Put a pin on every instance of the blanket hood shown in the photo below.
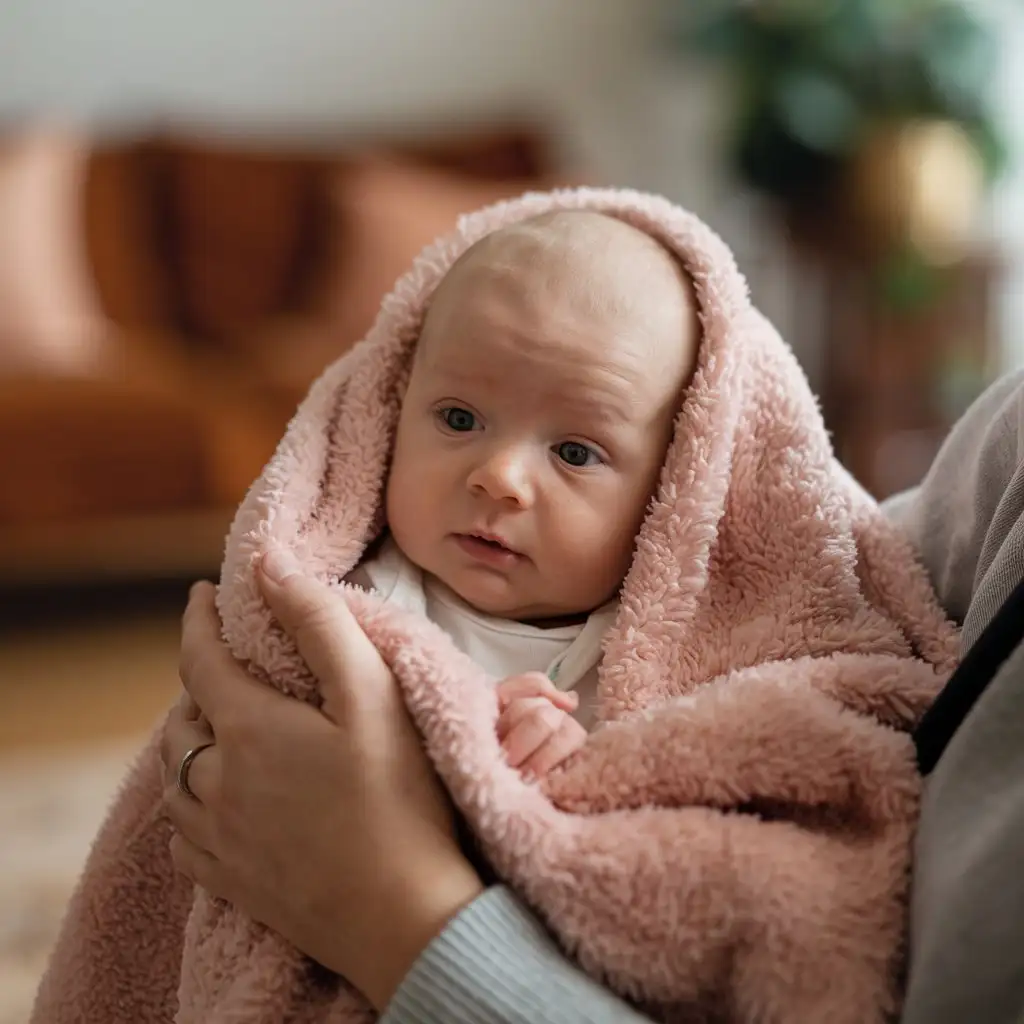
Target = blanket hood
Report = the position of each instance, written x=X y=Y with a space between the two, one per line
x=745 y=519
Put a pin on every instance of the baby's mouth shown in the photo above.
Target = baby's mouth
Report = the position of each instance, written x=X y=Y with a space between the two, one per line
x=486 y=542
x=490 y=541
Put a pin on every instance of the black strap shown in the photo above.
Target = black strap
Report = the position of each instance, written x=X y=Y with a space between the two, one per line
x=979 y=667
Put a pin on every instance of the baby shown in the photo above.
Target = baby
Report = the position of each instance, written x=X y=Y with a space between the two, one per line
x=540 y=406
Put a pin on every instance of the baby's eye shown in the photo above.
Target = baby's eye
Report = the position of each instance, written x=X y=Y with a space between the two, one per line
x=575 y=454
x=458 y=419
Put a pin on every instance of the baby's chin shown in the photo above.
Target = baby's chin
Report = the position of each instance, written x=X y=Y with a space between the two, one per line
x=501 y=602
x=490 y=598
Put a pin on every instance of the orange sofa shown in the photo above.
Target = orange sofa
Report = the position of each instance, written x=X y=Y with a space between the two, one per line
x=191 y=291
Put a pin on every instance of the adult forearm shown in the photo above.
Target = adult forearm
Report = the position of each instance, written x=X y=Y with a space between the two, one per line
x=495 y=964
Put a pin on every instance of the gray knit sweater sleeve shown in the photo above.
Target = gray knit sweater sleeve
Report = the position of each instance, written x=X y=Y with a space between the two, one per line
x=494 y=964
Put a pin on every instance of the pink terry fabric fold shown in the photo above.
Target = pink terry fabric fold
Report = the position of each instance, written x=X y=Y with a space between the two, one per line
x=732 y=844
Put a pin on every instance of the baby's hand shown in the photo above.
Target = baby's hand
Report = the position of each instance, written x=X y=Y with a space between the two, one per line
x=535 y=723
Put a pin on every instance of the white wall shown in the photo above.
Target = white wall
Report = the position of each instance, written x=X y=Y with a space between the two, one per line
x=316 y=68
x=1006 y=224
x=311 y=64
x=320 y=67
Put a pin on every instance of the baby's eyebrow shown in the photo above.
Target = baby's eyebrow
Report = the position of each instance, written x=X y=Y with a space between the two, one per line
x=455 y=373
x=586 y=401
x=601 y=405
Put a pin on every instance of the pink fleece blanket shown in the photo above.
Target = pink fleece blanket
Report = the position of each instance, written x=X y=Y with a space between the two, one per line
x=732 y=844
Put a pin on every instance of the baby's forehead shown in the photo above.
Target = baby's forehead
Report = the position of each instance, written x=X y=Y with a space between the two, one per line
x=584 y=236
x=594 y=257
x=570 y=286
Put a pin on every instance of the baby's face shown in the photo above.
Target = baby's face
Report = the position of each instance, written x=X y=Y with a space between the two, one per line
x=538 y=414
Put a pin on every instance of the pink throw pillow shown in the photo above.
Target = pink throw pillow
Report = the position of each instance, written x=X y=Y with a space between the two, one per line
x=51 y=320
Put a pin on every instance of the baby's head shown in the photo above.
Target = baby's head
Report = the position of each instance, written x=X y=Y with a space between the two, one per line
x=541 y=403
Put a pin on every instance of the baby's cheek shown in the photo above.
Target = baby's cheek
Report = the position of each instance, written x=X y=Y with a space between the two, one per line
x=410 y=510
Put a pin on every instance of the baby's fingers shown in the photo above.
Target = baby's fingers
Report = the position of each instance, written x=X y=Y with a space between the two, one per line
x=519 y=710
x=527 y=725
x=534 y=684
x=555 y=749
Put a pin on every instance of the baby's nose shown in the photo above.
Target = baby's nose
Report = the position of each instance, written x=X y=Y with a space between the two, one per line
x=504 y=476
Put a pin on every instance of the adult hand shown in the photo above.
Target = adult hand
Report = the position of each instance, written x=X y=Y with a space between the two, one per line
x=328 y=826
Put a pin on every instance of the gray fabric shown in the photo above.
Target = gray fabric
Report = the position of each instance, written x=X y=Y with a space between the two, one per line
x=965 y=518
x=495 y=965
x=967 y=914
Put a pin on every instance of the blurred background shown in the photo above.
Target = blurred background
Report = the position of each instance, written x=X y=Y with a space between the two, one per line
x=202 y=204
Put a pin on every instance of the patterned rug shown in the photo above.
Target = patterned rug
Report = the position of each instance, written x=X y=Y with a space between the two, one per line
x=50 y=808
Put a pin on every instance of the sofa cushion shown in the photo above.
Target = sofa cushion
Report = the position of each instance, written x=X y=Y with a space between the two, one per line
x=126 y=237
x=73 y=448
x=244 y=232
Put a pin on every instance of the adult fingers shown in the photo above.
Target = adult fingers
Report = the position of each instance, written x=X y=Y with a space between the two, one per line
x=330 y=640
x=190 y=817
x=214 y=681
x=195 y=863
x=203 y=772
x=170 y=737
x=180 y=733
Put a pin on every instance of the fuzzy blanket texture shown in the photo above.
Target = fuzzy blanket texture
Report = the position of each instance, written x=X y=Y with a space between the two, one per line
x=733 y=842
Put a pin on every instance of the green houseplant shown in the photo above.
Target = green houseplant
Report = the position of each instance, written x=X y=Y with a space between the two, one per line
x=846 y=112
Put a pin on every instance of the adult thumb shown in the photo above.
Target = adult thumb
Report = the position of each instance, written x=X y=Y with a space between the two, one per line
x=327 y=635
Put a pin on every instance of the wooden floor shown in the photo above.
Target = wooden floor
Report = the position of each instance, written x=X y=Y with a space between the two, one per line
x=85 y=674
x=86 y=664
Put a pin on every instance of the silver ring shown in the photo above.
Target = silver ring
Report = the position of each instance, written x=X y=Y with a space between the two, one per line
x=186 y=763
